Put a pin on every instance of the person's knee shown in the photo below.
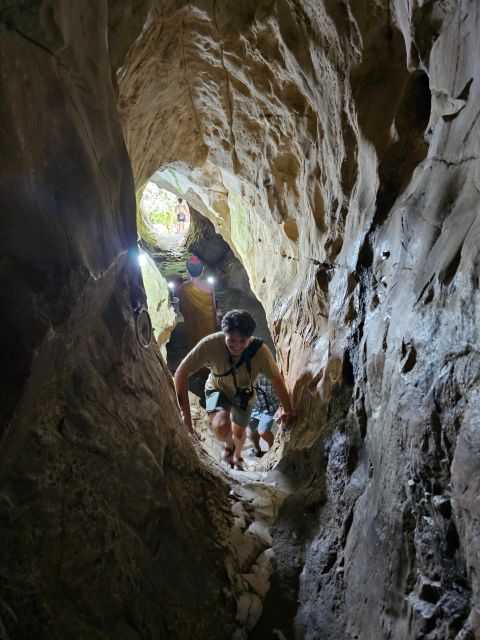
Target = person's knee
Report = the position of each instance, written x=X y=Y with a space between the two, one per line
x=222 y=431
x=267 y=436
x=239 y=431
x=221 y=424
x=218 y=418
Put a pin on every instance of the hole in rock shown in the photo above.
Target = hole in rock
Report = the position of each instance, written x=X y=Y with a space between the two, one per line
x=409 y=354
x=162 y=215
x=429 y=296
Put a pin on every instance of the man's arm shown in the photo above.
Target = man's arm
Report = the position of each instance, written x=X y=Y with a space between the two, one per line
x=193 y=361
x=280 y=389
x=180 y=380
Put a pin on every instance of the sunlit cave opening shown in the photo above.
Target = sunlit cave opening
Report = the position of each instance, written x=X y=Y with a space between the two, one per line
x=164 y=257
x=168 y=214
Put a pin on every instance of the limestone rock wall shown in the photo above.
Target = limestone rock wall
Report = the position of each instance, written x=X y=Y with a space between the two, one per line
x=336 y=148
x=100 y=532
x=162 y=314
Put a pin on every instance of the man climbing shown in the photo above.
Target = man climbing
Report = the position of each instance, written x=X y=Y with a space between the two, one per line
x=263 y=416
x=235 y=359
x=197 y=304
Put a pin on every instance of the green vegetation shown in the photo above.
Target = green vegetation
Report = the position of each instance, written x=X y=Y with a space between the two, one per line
x=159 y=207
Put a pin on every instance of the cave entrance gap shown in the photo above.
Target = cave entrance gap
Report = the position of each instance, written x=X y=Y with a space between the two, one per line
x=217 y=211
x=167 y=252
x=163 y=217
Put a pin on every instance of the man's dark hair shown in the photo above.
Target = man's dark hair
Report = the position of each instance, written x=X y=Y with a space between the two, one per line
x=239 y=320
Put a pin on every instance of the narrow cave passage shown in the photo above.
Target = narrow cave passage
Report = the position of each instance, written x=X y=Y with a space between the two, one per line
x=258 y=491
x=230 y=290
x=334 y=146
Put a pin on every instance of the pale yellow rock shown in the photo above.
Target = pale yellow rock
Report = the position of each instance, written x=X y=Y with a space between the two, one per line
x=158 y=300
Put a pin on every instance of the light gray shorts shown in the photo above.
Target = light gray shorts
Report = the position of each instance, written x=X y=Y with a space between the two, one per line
x=262 y=421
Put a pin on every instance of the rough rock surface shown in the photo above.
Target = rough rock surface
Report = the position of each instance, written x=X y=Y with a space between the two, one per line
x=335 y=147
x=257 y=499
x=161 y=312
x=101 y=536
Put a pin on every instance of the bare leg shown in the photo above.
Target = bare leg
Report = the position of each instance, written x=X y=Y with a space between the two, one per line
x=268 y=437
x=222 y=427
x=255 y=438
x=239 y=436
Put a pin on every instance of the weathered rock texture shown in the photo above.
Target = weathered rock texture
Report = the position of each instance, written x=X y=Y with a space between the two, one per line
x=101 y=536
x=335 y=147
x=161 y=312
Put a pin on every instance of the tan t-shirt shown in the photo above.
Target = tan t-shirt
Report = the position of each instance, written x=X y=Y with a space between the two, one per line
x=212 y=352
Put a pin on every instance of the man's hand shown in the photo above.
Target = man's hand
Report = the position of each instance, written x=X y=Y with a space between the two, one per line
x=285 y=419
x=180 y=380
x=189 y=425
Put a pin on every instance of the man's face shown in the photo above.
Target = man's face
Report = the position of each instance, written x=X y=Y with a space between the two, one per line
x=236 y=343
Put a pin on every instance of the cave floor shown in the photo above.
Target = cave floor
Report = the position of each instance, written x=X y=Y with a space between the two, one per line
x=256 y=499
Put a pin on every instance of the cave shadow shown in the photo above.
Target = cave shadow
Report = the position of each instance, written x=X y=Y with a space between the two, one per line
x=300 y=515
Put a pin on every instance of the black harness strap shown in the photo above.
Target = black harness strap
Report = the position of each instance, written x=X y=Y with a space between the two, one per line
x=245 y=358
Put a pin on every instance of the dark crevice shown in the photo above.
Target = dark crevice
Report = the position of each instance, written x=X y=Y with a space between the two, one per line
x=447 y=274
x=410 y=357
x=463 y=95
x=452 y=540
x=347 y=370
x=399 y=161
x=424 y=289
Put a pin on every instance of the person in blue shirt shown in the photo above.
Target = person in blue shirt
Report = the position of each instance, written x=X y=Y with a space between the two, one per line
x=263 y=416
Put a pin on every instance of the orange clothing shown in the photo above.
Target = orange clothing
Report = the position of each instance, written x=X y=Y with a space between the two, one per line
x=199 y=313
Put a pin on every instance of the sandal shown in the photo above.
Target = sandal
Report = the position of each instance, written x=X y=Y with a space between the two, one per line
x=238 y=464
x=227 y=457
x=256 y=454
